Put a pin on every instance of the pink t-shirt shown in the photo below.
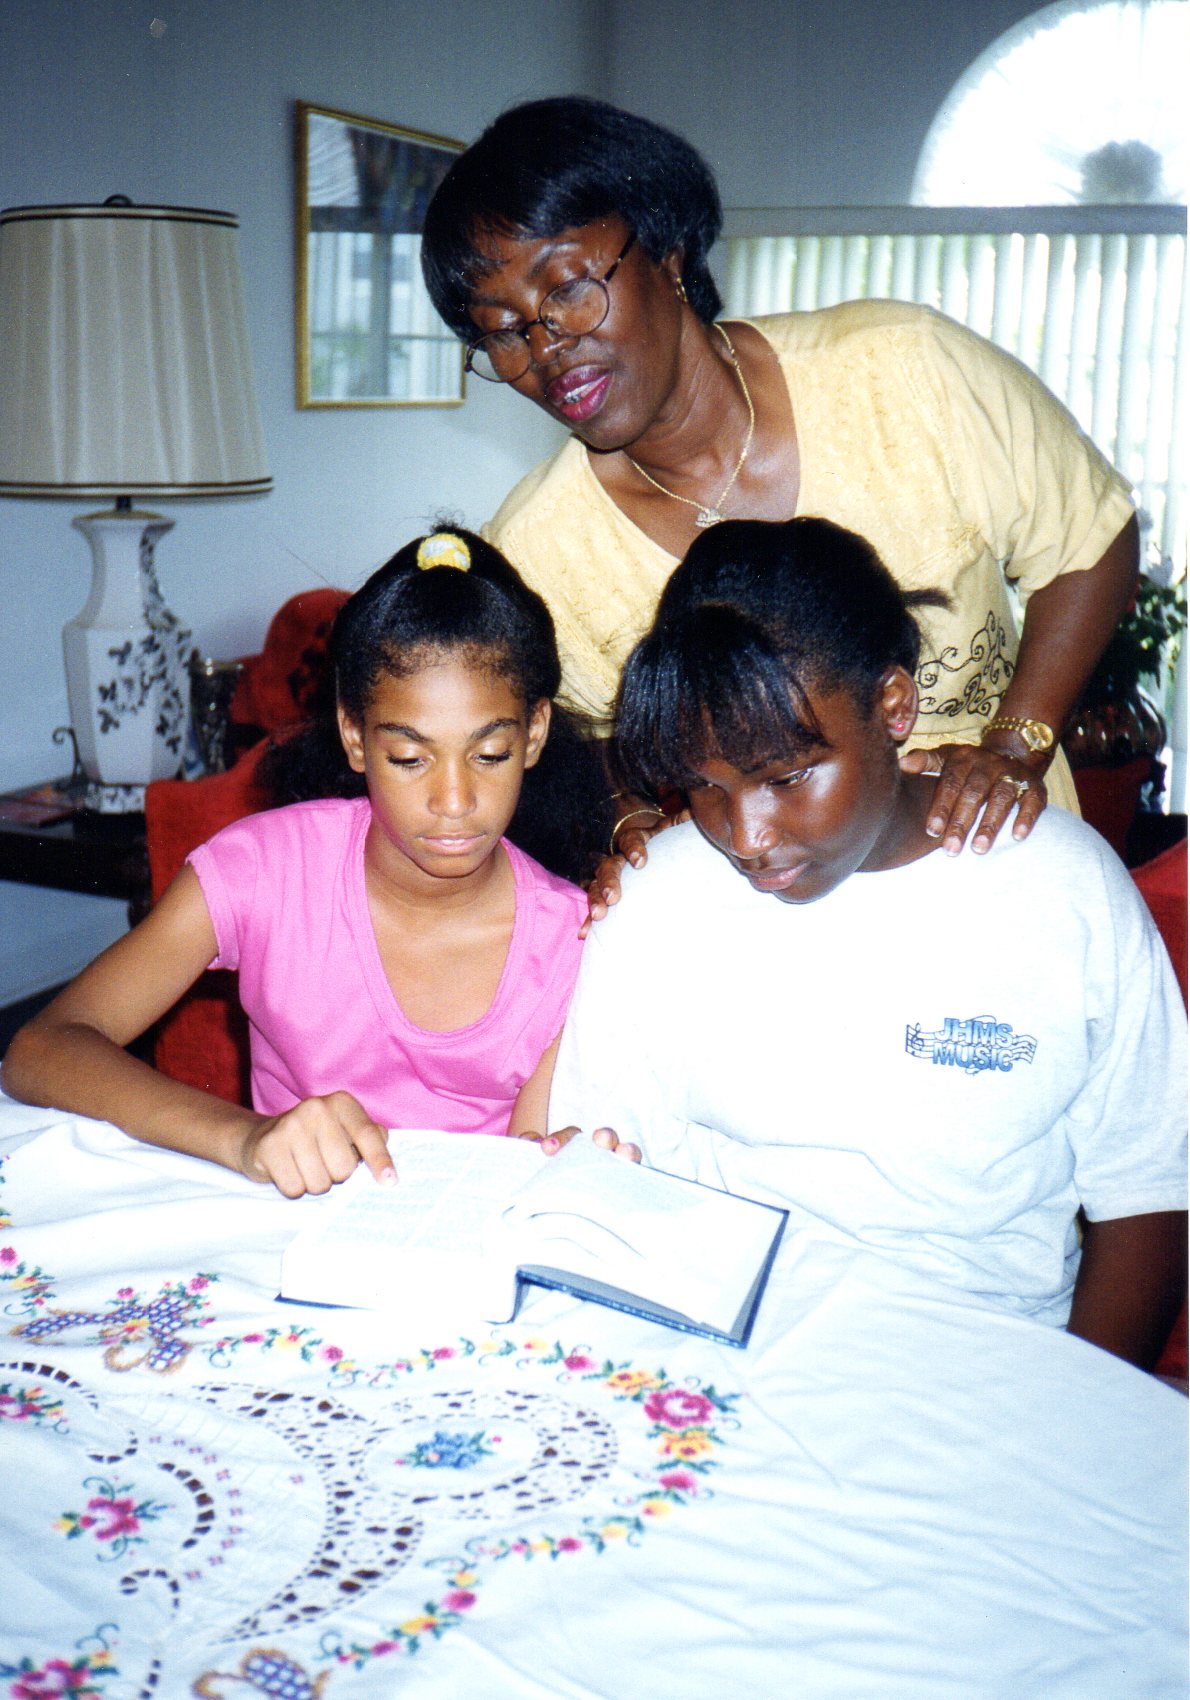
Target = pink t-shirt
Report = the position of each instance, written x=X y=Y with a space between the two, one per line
x=286 y=894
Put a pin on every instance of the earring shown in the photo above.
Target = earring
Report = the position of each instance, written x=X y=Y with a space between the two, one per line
x=680 y=291
x=900 y=726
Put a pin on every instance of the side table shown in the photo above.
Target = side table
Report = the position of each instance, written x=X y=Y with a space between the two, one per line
x=100 y=855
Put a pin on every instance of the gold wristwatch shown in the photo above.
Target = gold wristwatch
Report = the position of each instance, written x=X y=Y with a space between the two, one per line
x=1035 y=733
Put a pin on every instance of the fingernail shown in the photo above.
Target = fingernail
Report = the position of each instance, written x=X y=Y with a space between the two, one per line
x=636 y=859
x=549 y=1143
x=934 y=827
x=979 y=845
x=388 y=1177
x=953 y=846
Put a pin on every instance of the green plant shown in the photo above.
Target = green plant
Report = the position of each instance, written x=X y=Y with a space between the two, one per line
x=1147 y=637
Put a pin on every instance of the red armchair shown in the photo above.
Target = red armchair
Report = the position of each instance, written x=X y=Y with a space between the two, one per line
x=1162 y=884
x=204 y=1040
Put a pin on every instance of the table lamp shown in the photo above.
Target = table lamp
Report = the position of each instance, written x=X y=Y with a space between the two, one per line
x=127 y=374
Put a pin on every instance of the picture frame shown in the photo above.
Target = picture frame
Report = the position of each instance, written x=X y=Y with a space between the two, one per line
x=367 y=334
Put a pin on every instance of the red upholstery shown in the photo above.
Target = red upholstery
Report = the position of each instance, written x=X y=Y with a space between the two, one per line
x=204 y=1039
x=279 y=685
x=1162 y=884
x=1108 y=798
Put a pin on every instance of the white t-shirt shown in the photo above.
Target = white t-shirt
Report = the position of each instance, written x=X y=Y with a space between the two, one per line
x=940 y=1063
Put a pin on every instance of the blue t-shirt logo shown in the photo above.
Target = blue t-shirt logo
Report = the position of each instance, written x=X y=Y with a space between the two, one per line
x=974 y=1043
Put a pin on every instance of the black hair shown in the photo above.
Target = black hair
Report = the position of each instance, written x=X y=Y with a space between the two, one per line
x=550 y=165
x=758 y=614
x=409 y=613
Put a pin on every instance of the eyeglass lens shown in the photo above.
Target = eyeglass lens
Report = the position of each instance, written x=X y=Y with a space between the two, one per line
x=571 y=310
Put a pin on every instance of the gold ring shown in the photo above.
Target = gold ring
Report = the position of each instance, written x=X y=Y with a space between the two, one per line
x=1020 y=786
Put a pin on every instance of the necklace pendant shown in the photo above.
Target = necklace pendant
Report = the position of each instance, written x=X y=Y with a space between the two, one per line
x=707 y=516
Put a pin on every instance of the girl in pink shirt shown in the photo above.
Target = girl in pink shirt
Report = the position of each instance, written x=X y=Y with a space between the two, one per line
x=401 y=963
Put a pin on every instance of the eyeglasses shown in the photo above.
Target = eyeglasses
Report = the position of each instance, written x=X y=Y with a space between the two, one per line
x=569 y=311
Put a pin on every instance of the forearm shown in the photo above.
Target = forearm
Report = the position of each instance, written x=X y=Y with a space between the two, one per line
x=71 y=1066
x=1131 y=1282
x=1066 y=629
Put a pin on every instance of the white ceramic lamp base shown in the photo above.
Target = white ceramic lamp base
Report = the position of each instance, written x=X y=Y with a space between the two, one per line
x=126 y=656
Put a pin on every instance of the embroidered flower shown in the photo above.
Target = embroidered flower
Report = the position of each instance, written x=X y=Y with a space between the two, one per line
x=632 y=1380
x=26 y=1404
x=677 y=1408
x=57 y=1679
x=7 y=1254
x=577 y=1361
x=692 y=1443
x=459 y=1600
x=111 y=1515
x=678 y=1481
x=419 y=1625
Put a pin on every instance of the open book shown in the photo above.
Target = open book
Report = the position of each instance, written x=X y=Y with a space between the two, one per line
x=472 y=1217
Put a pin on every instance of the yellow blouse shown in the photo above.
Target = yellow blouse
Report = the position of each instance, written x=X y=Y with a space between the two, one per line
x=955 y=462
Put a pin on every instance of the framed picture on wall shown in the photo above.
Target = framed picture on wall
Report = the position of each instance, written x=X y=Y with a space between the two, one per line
x=367 y=335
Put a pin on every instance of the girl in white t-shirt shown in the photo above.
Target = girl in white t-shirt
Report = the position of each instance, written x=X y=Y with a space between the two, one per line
x=400 y=962
x=937 y=1062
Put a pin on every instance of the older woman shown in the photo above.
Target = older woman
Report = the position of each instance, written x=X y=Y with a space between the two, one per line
x=568 y=248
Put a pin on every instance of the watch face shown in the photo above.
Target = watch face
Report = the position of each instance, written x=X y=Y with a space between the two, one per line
x=1037 y=734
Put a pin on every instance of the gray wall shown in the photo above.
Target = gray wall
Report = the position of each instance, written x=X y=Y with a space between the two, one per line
x=801 y=102
x=811 y=101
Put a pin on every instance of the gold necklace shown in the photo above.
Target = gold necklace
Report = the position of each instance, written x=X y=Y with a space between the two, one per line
x=711 y=515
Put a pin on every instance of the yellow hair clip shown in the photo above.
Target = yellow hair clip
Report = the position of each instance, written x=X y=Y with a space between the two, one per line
x=443 y=549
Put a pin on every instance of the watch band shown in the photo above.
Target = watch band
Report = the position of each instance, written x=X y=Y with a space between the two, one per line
x=1035 y=733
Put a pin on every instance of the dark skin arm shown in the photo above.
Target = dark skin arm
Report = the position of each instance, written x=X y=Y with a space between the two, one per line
x=1066 y=629
x=1131 y=1282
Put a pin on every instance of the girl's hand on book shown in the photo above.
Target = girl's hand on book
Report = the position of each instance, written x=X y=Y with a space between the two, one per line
x=605 y=1137
x=315 y=1145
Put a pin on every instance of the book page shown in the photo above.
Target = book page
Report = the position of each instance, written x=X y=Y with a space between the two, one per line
x=685 y=1246
x=429 y=1235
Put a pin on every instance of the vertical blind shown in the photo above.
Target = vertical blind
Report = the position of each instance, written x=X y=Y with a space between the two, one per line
x=1093 y=299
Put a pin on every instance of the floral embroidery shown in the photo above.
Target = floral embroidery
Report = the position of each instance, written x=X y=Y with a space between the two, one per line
x=686 y=1424
x=311 y=1348
x=30 y=1285
x=112 y=1516
x=59 y=1679
x=131 y=1321
x=29 y=1404
x=683 y=1429
x=446 y=1451
x=406 y=1637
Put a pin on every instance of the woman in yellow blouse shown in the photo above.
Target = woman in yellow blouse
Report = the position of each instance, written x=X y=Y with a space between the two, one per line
x=568 y=248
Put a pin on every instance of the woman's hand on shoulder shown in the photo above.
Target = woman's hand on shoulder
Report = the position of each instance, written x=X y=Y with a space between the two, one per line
x=316 y=1145
x=605 y=1137
x=630 y=838
x=971 y=777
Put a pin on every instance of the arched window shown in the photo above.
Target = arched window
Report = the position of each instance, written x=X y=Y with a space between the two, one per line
x=1084 y=102
x=1043 y=221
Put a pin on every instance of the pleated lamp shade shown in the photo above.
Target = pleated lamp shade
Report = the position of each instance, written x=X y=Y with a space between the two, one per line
x=127 y=370
x=127 y=374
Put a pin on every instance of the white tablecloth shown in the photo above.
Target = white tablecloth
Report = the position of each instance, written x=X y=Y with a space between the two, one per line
x=893 y=1492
